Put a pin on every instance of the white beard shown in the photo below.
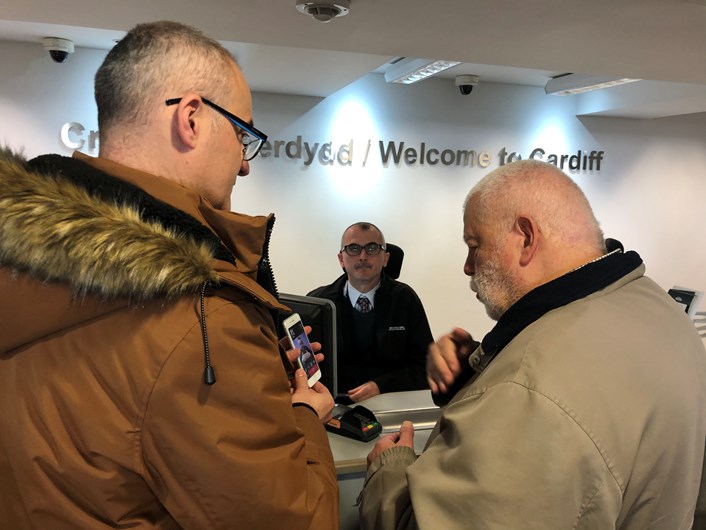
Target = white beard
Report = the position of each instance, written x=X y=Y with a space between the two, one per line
x=496 y=290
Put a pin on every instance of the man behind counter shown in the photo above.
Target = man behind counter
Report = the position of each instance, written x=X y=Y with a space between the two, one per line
x=382 y=329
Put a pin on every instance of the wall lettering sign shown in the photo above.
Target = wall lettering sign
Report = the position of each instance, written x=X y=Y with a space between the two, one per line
x=398 y=154
x=389 y=153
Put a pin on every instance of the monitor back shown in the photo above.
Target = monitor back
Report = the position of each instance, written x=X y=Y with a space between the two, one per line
x=320 y=314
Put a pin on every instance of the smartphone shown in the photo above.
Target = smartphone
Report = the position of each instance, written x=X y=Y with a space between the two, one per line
x=294 y=330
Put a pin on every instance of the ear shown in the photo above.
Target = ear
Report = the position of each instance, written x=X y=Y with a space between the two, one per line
x=385 y=260
x=529 y=232
x=340 y=260
x=187 y=120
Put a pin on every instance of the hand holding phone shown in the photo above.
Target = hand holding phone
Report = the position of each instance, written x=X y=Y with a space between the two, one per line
x=317 y=397
x=294 y=330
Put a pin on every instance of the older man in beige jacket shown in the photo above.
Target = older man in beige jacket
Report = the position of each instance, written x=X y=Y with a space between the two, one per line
x=584 y=407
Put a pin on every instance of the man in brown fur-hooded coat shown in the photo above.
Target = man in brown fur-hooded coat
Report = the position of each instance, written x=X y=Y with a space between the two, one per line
x=141 y=377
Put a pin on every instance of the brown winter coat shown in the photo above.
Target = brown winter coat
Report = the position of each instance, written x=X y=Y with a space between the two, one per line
x=105 y=416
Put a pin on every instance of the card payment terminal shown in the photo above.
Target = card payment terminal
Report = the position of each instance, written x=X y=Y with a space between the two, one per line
x=357 y=422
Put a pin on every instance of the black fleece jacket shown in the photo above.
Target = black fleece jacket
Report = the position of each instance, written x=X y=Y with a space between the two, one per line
x=402 y=335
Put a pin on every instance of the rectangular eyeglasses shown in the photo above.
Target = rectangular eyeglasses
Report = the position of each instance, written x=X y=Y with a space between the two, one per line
x=371 y=249
x=253 y=139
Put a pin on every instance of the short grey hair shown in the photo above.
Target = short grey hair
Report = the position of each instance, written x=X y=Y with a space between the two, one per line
x=539 y=189
x=365 y=226
x=153 y=62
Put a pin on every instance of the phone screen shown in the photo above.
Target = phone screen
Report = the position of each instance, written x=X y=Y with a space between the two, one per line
x=299 y=340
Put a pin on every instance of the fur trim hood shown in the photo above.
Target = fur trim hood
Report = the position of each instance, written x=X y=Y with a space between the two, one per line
x=57 y=231
x=67 y=226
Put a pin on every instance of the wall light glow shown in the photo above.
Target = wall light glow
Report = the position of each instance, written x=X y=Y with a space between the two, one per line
x=551 y=135
x=354 y=134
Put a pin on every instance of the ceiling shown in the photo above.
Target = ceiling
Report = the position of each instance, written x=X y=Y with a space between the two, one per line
x=514 y=41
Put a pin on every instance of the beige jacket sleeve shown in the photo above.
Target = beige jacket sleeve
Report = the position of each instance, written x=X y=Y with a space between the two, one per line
x=502 y=458
x=384 y=501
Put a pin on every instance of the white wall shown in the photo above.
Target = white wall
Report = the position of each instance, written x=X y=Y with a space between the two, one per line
x=37 y=96
x=650 y=191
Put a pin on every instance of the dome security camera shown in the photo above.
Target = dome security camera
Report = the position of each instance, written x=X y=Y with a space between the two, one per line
x=465 y=83
x=324 y=10
x=59 y=49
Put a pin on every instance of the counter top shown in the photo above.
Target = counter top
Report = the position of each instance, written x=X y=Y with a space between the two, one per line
x=390 y=410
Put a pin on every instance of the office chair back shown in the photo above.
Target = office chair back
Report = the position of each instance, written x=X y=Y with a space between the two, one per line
x=394 y=262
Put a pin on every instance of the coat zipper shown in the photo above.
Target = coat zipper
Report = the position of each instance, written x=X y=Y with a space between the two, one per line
x=265 y=277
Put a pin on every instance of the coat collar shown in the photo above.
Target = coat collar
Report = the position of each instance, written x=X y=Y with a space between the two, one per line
x=243 y=235
x=575 y=285
x=82 y=242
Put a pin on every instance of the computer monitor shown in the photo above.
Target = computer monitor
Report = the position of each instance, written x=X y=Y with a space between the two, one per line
x=689 y=299
x=320 y=314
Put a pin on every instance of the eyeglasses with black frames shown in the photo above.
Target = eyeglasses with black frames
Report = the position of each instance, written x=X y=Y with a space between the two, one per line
x=371 y=249
x=252 y=139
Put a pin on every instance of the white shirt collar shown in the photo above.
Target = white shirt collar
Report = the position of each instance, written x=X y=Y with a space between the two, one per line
x=354 y=293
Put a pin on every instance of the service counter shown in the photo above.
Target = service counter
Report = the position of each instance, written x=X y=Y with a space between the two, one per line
x=350 y=455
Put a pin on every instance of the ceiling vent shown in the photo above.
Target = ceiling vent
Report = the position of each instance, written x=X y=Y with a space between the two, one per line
x=324 y=11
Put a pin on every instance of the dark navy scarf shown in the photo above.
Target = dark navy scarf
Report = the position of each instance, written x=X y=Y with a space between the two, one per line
x=559 y=292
